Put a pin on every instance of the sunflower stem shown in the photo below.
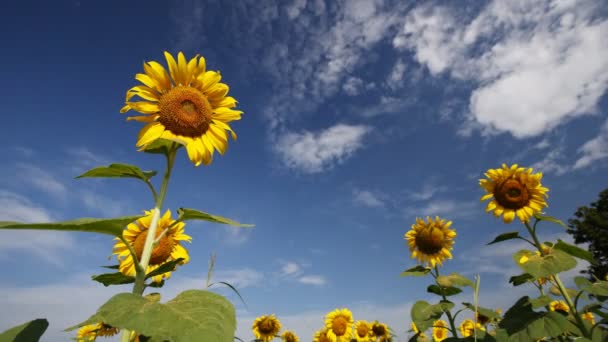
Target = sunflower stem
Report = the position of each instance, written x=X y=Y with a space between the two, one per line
x=560 y=285
x=447 y=312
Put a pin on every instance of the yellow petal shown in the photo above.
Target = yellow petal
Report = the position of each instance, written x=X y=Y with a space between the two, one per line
x=158 y=72
x=144 y=107
x=509 y=216
x=149 y=81
x=182 y=68
x=228 y=102
x=146 y=118
x=209 y=79
x=193 y=153
x=150 y=133
x=172 y=68
x=218 y=91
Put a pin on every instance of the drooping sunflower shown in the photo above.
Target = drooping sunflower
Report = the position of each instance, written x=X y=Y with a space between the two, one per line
x=92 y=331
x=363 y=331
x=430 y=242
x=559 y=306
x=440 y=330
x=514 y=191
x=289 y=336
x=266 y=327
x=187 y=105
x=169 y=247
x=321 y=336
x=588 y=316
x=339 y=325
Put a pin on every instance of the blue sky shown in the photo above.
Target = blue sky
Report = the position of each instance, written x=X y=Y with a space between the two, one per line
x=359 y=117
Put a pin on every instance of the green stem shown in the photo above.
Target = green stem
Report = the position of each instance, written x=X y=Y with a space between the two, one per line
x=560 y=285
x=447 y=312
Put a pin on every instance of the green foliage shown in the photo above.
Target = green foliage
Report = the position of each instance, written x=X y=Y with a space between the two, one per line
x=424 y=314
x=416 y=271
x=117 y=278
x=544 y=266
x=194 y=315
x=550 y=219
x=445 y=291
x=524 y=324
x=505 y=237
x=455 y=279
x=119 y=171
x=590 y=225
x=192 y=214
x=161 y=146
x=112 y=226
x=575 y=251
x=521 y=279
x=164 y=268
x=27 y=332
x=483 y=311
x=599 y=288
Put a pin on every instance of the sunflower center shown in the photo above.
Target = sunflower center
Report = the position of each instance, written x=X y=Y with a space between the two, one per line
x=379 y=330
x=430 y=241
x=362 y=330
x=160 y=253
x=512 y=194
x=339 y=325
x=185 y=111
x=266 y=326
x=289 y=337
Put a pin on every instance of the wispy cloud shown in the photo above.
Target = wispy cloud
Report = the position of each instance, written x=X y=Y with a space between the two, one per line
x=426 y=192
x=445 y=208
x=317 y=280
x=41 y=179
x=368 y=198
x=593 y=150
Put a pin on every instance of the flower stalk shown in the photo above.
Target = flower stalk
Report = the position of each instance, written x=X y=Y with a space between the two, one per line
x=447 y=312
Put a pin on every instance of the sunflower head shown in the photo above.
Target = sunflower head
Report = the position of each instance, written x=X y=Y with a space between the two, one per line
x=169 y=246
x=321 y=336
x=440 y=330
x=588 y=316
x=514 y=191
x=92 y=331
x=266 y=327
x=379 y=329
x=339 y=324
x=187 y=105
x=431 y=241
x=559 y=306
x=363 y=331
x=289 y=336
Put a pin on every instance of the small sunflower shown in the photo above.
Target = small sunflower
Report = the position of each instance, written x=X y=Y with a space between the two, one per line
x=379 y=330
x=431 y=241
x=190 y=107
x=169 y=247
x=559 y=306
x=515 y=191
x=321 y=336
x=440 y=330
x=266 y=327
x=92 y=331
x=467 y=327
x=290 y=336
x=363 y=331
x=417 y=331
x=339 y=325
x=588 y=316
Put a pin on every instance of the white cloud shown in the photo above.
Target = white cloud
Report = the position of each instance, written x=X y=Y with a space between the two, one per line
x=239 y=278
x=445 y=208
x=426 y=192
x=82 y=159
x=395 y=78
x=537 y=63
x=593 y=150
x=367 y=198
x=290 y=268
x=317 y=152
x=552 y=162
x=41 y=179
x=353 y=86
x=387 y=105
x=317 y=280
x=295 y=8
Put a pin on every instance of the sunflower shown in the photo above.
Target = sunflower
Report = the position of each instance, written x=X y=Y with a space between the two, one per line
x=339 y=325
x=190 y=107
x=363 y=331
x=467 y=327
x=431 y=241
x=289 y=336
x=92 y=331
x=559 y=306
x=266 y=327
x=168 y=248
x=588 y=316
x=417 y=331
x=514 y=191
x=440 y=330
x=321 y=336
x=379 y=330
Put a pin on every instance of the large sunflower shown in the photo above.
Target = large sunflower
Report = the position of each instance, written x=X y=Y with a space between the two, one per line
x=169 y=247
x=92 y=331
x=431 y=241
x=363 y=331
x=190 y=107
x=514 y=191
x=339 y=325
x=266 y=327
x=440 y=330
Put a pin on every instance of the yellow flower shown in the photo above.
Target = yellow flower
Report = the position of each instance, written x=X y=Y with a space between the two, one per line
x=379 y=330
x=588 y=316
x=467 y=327
x=289 y=336
x=266 y=327
x=440 y=330
x=559 y=305
x=416 y=331
x=339 y=324
x=514 y=191
x=363 y=331
x=169 y=247
x=92 y=331
x=321 y=336
x=431 y=241
x=190 y=107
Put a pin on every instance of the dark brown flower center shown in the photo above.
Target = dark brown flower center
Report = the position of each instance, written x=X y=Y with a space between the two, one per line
x=511 y=194
x=160 y=253
x=430 y=240
x=185 y=111
x=266 y=326
x=362 y=330
x=339 y=325
x=378 y=330
x=289 y=337
x=481 y=319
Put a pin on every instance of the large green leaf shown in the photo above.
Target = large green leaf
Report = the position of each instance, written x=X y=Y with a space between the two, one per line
x=454 y=279
x=446 y=291
x=524 y=324
x=116 y=278
x=483 y=311
x=575 y=251
x=505 y=237
x=164 y=268
x=112 y=226
x=27 y=332
x=416 y=271
x=543 y=267
x=192 y=214
x=119 y=171
x=599 y=288
x=194 y=315
x=550 y=219
x=521 y=279
x=424 y=314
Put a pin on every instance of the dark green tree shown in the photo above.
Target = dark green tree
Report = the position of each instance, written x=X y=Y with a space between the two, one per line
x=590 y=225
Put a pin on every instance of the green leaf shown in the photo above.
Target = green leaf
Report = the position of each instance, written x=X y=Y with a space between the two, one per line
x=27 y=332
x=540 y=301
x=599 y=288
x=524 y=324
x=112 y=226
x=543 y=267
x=117 y=278
x=454 y=279
x=157 y=285
x=112 y=267
x=521 y=279
x=119 y=171
x=447 y=291
x=424 y=314
x=550 y=219
x=233 y=289
x=194 y=315
x=161 y=146
x=575 y=251
x=505 y=236
x=191 y=214
x=164 y=268
x=491 y=314
x=416 y=271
